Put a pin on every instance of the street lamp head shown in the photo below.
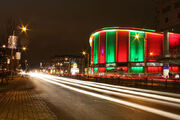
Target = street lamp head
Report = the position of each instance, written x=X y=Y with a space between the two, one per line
x=24 y=48
x=83 y=52
x=23 y=28
x=4 y=46
x=66 y=58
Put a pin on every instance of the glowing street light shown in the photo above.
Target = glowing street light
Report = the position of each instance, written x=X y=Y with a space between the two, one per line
x=23 y=28
x=4 y=46
x=24 y=48
x=84 y=53
x=66 y=59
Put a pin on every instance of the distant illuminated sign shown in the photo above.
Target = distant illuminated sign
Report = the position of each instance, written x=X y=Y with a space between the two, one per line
x=166 y=72
x=154 y=64
x=73 y=61
x=74 y=71
x=137 y=64
x=18 y=55
x=166 y=67
x=74 y=65
x=51 y=67
x=8 y=61
x=12 y=41
x=66 y=62
x=111 y=65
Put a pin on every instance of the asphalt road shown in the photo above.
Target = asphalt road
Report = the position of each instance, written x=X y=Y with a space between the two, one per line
x=72 y=99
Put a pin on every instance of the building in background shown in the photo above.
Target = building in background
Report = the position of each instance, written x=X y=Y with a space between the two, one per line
x=64 y=65
x=168 y=14
x=3 y=59
x=168 y=19
x=9 y=60
x=12 y=60
x=131 y=50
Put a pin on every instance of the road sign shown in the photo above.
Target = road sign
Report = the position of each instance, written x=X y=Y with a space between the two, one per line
x=18 y=55
x=166 y=72
x=12 y=42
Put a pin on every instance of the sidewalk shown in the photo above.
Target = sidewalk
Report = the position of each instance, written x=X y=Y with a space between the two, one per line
x=19 y=101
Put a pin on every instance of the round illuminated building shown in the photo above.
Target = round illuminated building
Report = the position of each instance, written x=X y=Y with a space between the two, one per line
x=132 y=50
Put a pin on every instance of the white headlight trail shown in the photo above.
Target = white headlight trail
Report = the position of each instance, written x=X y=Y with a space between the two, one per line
x=116 y=93
x=149 y=95
x=123 y=87
x=130 y=104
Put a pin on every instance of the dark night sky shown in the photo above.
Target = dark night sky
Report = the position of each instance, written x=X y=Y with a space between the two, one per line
x=64 y=26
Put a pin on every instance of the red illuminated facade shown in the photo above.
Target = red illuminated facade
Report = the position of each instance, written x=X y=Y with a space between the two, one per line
x=132 y=50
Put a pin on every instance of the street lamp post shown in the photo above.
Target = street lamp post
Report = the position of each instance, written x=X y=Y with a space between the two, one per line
x=12 y=56
x=3 y=64
x=84 y=53
x=23 y=29
x=25 y=61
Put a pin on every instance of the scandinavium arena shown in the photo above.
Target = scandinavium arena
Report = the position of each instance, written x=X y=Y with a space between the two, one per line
x=132 y=50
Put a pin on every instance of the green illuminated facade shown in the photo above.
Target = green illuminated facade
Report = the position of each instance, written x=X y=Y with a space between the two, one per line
x=96 y=70
x=136 y=46
x=137 y=69
x=96 y=48
x=111 y=47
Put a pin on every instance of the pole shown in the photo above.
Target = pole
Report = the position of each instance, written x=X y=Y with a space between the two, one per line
x=88 y=62
x=12 y=59
x=12 y=63
x=82 y=67
x=166 y=43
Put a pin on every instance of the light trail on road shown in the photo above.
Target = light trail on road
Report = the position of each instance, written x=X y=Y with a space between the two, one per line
x=115 y=86
x=114 y=93
x=93 y=84
x=84 y=86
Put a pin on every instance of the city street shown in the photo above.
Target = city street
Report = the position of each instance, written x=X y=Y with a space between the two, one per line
x=90 y=60
x=73 y=99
